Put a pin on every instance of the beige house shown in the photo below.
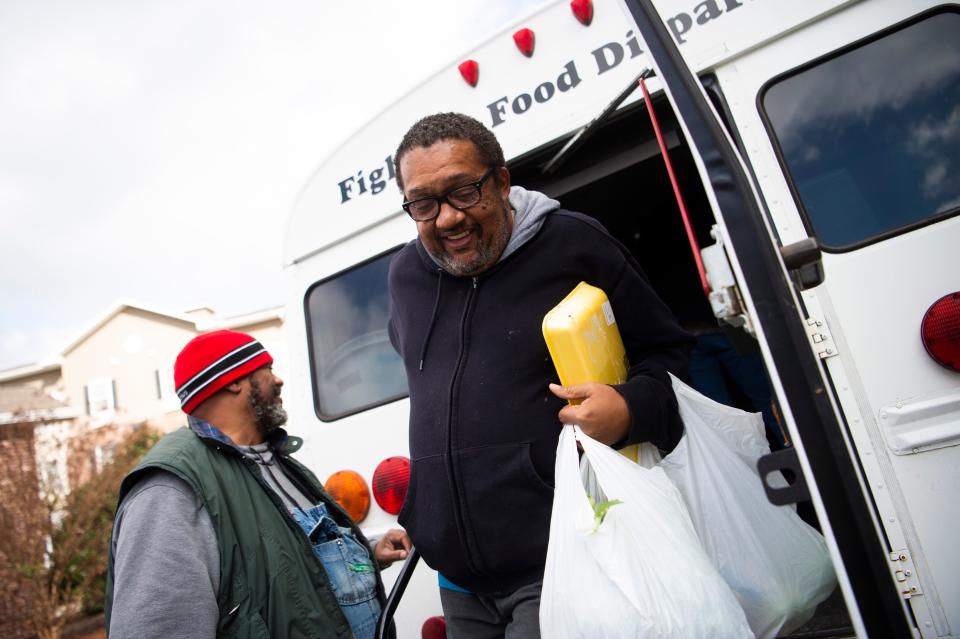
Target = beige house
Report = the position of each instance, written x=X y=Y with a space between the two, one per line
x=115 y=374
x=120 y=369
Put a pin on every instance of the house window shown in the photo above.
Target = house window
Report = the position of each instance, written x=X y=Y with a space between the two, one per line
x=166 y=392
x=101 y=397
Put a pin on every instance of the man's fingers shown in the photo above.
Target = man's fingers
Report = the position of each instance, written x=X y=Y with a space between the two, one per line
x=395 y=554
x=399 y=539
x=393 y=546
x=571 y=414
x=574 y=414
x=577 y=391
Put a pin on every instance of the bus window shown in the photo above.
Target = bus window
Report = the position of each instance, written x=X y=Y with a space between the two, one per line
x=354 y=367
x=871 y=137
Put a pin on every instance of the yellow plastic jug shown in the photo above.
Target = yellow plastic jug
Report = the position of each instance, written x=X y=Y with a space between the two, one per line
x=584 y=342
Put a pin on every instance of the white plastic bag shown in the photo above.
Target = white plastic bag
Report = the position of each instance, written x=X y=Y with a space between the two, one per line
x=641 y=572
x=776 y=564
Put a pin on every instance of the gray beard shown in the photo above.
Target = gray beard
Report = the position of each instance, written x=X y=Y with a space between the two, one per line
x=487 y=253
x=269 y=416
x=447 y=263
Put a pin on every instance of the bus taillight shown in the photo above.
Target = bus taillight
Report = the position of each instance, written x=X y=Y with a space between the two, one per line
x=940 y=331
x=434 y=628
x=390 y=481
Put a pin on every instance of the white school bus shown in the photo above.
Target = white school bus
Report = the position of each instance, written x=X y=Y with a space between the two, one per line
x=816 y=146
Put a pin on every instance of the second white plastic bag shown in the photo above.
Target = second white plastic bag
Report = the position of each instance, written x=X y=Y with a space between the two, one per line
x=639 y=571
x=776 y=564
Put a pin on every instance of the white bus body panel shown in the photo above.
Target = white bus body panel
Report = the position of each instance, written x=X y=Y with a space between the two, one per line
x=332 y=206
x=872 y=299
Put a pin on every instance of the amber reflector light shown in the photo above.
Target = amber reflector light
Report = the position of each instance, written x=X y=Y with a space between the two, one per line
x=390 y=481
x=940 y=331
x=351 y=492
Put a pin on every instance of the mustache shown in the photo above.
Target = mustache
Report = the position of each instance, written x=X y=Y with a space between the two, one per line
x=459 y=229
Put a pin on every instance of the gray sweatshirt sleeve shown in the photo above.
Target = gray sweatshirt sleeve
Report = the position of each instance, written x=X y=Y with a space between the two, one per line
x=166 y=563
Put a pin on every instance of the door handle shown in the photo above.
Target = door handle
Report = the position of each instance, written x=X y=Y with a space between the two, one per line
x=804 y=263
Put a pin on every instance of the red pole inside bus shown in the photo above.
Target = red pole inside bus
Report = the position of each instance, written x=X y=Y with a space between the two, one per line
x=694 y=246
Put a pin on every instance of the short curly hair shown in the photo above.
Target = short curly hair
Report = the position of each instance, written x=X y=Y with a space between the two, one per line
x=449 y=126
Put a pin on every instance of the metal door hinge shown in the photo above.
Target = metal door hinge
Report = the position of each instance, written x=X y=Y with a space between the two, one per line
x=820 y=338
x=724 y=297
x=904 y=574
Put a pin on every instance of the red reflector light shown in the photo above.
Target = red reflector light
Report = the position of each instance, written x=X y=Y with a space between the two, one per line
x=940 y=331
x=525 y=39
x=390 y=481
x=583 y=10
x=434 y=628
x=470 y=71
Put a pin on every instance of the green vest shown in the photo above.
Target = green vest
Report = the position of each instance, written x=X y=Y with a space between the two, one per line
x=271 y=583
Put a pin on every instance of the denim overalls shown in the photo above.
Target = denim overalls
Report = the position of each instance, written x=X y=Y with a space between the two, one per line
x=349 y=567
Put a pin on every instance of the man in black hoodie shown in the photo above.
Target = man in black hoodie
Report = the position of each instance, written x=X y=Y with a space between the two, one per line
x=468 y=298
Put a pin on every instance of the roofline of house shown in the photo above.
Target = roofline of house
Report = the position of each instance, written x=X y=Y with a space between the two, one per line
x=239 y=321
x=190 y=311
x=119 y=306
x=199 y=324
x=39 y=415
x=28 y=370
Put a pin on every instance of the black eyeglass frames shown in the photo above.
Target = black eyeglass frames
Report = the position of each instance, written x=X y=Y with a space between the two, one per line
x=461 y=197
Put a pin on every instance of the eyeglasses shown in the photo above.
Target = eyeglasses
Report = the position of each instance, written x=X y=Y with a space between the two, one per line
x=462 y=197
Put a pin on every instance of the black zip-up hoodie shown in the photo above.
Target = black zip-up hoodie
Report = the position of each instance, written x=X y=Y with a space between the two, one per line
x=483 y=423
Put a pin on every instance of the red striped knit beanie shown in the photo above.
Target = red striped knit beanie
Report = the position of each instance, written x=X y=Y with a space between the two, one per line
x=211 y=361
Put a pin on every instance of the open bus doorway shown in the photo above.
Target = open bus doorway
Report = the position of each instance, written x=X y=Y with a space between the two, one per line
x=619 y=178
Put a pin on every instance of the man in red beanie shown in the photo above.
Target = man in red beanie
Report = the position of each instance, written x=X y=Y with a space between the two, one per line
x=219 y=532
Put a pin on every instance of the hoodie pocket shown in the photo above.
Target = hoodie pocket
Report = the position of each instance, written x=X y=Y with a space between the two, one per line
x=507 y=508
x=428 y=516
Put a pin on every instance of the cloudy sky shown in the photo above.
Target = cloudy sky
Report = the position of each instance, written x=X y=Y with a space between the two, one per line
x=152 y=150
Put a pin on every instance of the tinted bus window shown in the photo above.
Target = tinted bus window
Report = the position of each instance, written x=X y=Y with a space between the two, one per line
x=871 y=137
x=354 y=366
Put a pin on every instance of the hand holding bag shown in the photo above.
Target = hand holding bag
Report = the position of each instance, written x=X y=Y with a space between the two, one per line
x=634 y=568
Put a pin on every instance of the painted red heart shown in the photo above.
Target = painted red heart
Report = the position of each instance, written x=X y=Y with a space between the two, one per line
x=470 y=71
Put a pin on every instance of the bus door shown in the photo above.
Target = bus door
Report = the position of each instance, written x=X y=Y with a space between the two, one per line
x=860 y=163
x=838 y=306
